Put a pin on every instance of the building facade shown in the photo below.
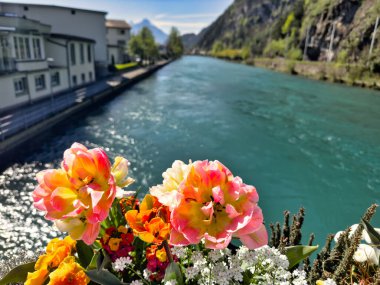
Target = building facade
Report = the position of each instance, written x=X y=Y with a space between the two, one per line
x=69 y=21
x=118 y=35
x=36 y=64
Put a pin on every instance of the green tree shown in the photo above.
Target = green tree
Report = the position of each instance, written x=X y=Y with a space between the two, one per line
x=144 y=46
x=174 y=45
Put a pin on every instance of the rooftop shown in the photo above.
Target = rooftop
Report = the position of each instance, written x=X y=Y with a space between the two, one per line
x=53 y=6
x=117 y=24
x=71 y=37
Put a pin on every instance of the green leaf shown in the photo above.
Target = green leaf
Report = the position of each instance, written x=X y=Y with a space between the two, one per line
x=173 y=272
x=104 y=261
x=85 y=253
x=296 y=254
x=103 y=277
x=373 y=234
x=93 y=263
x=18 y=274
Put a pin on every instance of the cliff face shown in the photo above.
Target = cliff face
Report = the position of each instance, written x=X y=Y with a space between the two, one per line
x=338 y=30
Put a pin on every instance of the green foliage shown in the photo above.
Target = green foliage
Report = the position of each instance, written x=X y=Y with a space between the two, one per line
x=173 y=272
x=342 y=56
x=296 y=254
x=85 y=253
x=217 y=47
x=275 y=48
x=143 y=45
x=231 y=54
x=289 y=21
x=175 y=46
x=103 y=277
x=294 y=54
x=372 y=233
x=18 y=274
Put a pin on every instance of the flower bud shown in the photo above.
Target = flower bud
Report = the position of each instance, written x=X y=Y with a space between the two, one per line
x=120 y=172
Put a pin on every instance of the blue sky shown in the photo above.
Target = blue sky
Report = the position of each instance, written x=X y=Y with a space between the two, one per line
x=186 y=15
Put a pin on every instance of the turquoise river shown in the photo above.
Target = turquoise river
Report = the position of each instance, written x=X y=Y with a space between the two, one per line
x=300 y=142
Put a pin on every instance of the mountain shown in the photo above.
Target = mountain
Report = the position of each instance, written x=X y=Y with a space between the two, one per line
x=338 y=30
x=160 y=36
x=189 y=41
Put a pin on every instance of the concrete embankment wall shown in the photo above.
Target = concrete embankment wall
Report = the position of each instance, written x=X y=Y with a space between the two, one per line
x=13 y=145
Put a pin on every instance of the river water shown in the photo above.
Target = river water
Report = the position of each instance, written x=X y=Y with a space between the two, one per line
x=300 y=142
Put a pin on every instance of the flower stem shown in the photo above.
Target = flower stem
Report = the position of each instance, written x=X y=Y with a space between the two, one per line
x=168 y=251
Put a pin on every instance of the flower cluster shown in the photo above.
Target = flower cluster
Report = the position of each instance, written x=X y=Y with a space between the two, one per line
x=157 y=262
x=58 y=264
x=78 y=196
x=179 y=230
x=262 y=266
x=118 y=242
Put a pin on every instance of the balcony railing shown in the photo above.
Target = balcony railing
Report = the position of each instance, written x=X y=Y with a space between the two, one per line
x=30 y=65
x=7 y=65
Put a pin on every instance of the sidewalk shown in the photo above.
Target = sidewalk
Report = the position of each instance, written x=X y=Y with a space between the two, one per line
x=19 y=125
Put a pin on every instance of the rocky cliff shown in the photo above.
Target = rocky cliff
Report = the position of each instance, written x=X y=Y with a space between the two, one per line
x=339 y=30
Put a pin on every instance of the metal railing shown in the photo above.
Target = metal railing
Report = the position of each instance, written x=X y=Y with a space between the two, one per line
x=21 y=119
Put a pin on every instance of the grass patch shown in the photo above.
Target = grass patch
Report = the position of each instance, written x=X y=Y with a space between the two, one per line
x=125 y=66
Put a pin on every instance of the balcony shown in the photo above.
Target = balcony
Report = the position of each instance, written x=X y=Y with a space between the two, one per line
x=30 y=65
x=7 y=65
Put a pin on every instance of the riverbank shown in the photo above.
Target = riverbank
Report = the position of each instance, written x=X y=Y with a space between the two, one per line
x=354 y=75
x=21 y=126
x=349 y=74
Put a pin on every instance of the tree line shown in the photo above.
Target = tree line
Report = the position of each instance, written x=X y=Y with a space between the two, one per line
x=144 y=47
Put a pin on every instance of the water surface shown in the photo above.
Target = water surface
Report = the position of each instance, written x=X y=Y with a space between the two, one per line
x=300 y=142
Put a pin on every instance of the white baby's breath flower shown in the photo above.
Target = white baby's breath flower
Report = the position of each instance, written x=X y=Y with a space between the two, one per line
x=179 y=251
x=121 y=263
x=137 y=282
x=171 y=282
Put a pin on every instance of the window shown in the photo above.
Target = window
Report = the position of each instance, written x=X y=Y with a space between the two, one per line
x=122 y=32
x=72 y=53
x=83 y=78
x=81 y=53
x=27 y=48
x=26 y=8
x=15 y=40
x=20 y=86
x=55 y=80
x=24 y=50
x=37 y=48
x=90 y=75
x=89 y=56
x=40 y=82
x=74 y=80
x=73 y=12
x=21 y=45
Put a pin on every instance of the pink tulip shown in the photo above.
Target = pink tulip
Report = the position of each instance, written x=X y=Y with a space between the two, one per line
x=216 y=206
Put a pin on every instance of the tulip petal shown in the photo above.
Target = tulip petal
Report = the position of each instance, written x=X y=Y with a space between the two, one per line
x=256 y=239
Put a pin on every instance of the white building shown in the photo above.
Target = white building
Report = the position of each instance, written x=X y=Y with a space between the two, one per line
x=118 y=35
x=34 y=64
x=75 y=54
x=82 y=23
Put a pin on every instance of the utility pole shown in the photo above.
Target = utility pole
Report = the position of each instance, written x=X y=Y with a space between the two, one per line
x=306 y=43
x=330 y=54
x=373 y=37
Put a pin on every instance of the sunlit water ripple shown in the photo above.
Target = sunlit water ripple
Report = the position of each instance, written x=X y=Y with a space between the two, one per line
x=300 y=142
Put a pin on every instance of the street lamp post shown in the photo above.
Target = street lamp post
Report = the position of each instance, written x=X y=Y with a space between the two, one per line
x=50 y=61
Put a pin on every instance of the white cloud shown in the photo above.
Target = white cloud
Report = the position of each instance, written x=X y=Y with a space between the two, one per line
x=186 y=16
